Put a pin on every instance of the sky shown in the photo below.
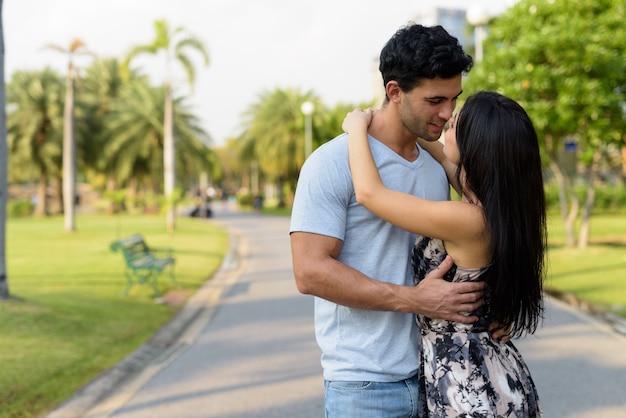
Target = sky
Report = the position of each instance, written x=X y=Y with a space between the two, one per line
x=328 y=47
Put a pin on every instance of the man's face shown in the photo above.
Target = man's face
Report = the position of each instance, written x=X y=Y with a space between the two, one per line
x=425 y=110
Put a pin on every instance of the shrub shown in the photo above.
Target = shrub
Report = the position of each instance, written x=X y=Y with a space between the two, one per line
x=245 y=200
x=20 y=207
x=608 y=199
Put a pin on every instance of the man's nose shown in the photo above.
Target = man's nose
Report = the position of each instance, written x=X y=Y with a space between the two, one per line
x=446 y=111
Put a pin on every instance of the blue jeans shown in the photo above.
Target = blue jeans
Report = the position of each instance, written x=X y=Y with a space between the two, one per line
x=372 y=399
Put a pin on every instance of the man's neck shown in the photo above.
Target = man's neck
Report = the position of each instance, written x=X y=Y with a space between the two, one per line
x=387 y=129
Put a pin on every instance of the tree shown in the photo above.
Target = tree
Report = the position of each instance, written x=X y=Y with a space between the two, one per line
x=274 y=129
x=133 y=137
x=564 y=61
x=101 y=86
x=174 y=44
x=77 y=47
x=274 y=136
x=234 y=156
x=4 y=192
x=34 y=125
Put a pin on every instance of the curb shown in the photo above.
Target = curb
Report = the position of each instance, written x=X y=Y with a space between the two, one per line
x=616 y=322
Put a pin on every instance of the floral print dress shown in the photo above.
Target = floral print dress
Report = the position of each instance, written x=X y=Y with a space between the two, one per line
x=465 y=373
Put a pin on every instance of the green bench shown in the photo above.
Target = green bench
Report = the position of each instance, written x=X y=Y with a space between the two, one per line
x=143 y=264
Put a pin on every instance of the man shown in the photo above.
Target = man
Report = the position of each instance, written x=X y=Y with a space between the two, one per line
x=357 y=265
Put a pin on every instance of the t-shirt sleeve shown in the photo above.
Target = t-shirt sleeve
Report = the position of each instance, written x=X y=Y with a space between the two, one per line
x=323 y=195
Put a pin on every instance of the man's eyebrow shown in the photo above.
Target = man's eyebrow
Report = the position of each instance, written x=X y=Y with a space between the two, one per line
x=442 y=97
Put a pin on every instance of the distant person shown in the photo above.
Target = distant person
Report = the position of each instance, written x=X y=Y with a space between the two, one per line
x=495 y=234
x=257 y=202
x=356 y=264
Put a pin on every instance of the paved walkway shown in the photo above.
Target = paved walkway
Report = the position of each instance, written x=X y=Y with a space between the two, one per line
x=578 y=364
x=244 y=347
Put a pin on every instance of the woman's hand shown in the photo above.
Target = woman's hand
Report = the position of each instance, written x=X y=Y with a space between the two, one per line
x=358 y=120
x=500 y=332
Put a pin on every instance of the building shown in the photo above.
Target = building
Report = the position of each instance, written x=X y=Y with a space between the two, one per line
x=452 y=19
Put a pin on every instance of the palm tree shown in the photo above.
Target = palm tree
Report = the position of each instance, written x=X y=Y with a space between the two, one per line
x=193 y=153
x=134 y=137
x=174 y=44
x=34 y=127
x=275 y=125
x=77 y=47
x=4 y=282
x=101 y=85
x=133 y=151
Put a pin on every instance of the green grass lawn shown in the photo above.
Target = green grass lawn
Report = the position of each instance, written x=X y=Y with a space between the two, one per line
x=70 y=323
x=596 y=274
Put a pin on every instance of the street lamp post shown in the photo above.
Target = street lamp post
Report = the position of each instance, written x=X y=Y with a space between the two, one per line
x=307 y=109
x=478 y=16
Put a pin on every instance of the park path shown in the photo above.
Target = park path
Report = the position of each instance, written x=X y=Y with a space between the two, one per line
x=250 y=349
x=252 y=354
x=578 y=363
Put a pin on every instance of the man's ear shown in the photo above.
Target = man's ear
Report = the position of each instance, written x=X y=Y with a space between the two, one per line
x=393 y=91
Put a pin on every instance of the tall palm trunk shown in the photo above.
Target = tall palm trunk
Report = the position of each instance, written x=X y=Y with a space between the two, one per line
x=4 y=282
x=69 y=154
x=168 y=41
x=169 y=159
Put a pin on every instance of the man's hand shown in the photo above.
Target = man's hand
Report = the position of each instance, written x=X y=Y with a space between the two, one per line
x=438 y=298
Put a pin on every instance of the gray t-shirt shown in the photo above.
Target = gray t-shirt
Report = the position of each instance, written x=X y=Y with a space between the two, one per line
x=364 y=345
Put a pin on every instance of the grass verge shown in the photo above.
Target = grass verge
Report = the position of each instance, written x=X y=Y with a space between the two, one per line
x=596 y=274
x=68 y=322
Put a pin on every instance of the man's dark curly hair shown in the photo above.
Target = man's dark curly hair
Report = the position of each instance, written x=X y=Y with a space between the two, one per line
x=416 y=52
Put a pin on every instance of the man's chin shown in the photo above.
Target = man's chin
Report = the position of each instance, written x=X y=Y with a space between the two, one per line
x=430 y=138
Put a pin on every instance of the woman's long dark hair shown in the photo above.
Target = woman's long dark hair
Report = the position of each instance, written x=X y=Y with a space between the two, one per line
x=499 y=155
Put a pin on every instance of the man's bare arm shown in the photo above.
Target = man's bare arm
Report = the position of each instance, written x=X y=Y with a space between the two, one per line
x=319 y=273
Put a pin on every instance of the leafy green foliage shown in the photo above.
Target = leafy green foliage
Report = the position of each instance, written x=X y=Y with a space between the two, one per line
x=20 y=207
x=35 y=128
x=274 y=132
x=564 y=61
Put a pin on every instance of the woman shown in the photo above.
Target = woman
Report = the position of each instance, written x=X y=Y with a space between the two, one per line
x=495 y=233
